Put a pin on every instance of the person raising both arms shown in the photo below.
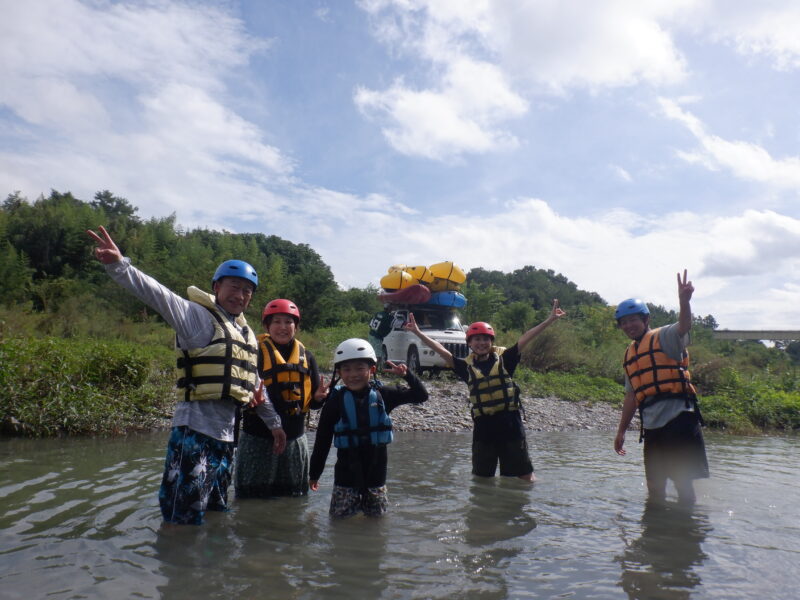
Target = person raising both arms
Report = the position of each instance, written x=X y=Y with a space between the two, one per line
x=498 y=434
x=210 y=390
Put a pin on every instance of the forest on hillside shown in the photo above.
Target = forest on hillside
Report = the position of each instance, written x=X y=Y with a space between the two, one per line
x=46 y=266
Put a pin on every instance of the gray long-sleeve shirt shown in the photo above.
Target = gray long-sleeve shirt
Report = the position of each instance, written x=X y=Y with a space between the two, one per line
x=194 y=326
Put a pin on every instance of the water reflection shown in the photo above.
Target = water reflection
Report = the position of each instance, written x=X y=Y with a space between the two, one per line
x=279 y=548
x=496 y=521
x=496 y=511
x=79 y=518
x=665 y=561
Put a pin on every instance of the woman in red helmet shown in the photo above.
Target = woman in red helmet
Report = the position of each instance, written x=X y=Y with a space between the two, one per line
x=290 y=377
x=498 y=435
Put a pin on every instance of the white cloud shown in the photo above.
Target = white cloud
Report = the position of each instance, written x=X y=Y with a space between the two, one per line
x=132 y=97
x=561 y=45
x=767 y=28
x=767 y=242
x=455 y=119
x=478 y=52
x=615 y=253
x=621 y=173
x=745 y=160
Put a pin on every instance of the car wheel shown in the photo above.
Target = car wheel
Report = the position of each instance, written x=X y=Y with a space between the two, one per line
x=413 y=360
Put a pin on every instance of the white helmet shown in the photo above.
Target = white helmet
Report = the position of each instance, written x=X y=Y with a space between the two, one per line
x=354 y=348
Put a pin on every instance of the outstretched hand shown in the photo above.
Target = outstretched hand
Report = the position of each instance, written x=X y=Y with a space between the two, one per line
x=399 y=369
x=685 y=288
x=106 y=250
x=556 y=313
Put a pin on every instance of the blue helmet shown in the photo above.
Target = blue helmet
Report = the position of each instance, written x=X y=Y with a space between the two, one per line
x=236 y=268
x=631 y=306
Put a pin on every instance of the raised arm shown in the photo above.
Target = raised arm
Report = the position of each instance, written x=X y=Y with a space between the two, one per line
x=193 y=323
x=685 y=291
x=411 y=325
x=528 y=336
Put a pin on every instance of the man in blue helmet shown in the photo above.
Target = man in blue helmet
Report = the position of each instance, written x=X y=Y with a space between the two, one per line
x=658 y=383
x=216 y=375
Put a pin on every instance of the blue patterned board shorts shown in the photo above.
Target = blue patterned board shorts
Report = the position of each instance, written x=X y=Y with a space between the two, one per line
x=197 y=473
x=347 y=501
x=260 y=473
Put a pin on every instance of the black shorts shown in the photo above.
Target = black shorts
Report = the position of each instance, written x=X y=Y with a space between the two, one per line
x=512 y=456
x=676 y=451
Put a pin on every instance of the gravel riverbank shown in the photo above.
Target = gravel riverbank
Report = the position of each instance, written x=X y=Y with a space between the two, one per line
x=447 y=409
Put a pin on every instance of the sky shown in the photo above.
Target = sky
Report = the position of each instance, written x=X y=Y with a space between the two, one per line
x=614 y=142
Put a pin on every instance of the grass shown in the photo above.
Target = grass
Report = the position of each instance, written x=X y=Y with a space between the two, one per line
x=81 y=385
x=68 y=386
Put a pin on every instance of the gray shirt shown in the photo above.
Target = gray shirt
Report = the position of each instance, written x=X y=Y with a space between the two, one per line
x=660 y=413
x=194 y=326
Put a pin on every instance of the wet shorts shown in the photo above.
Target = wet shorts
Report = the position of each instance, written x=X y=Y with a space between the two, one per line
x=347 y=501
x=676 y=451
x=512 y=455
x=197 y=473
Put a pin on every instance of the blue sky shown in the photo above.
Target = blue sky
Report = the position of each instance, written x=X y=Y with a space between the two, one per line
x=615 y=142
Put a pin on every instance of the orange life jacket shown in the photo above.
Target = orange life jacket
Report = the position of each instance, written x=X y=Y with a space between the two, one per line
x=289 y=378
x=655 y=375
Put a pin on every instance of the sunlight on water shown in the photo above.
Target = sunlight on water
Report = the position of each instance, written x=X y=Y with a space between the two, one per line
x=79 y=519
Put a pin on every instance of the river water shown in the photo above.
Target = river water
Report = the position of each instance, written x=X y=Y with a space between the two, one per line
x=79 y=519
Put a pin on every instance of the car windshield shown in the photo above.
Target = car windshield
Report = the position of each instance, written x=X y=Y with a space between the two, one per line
x=429 y=319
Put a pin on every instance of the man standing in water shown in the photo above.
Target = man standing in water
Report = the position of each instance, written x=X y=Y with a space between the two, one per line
x=657 y=382
x=216 y=375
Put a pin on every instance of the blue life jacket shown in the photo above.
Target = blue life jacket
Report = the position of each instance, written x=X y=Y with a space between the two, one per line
x=347 y=433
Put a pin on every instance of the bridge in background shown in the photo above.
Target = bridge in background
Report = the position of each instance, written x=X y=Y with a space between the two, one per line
x=756 y=334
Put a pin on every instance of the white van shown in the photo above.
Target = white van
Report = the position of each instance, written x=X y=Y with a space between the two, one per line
x=441 y=325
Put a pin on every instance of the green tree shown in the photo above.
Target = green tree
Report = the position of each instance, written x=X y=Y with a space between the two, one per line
x=516 y=315
x=483 y=301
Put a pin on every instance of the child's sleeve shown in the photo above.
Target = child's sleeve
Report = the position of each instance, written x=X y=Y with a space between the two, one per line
x=322 y=442
x=415 y=393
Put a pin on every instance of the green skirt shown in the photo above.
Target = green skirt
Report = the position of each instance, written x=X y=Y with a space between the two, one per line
x=260 y=473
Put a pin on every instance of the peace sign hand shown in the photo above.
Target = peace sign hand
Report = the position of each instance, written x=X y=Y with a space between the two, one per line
x=106 y=250
x=685 y=288
x=411 y=324
x=556 y=313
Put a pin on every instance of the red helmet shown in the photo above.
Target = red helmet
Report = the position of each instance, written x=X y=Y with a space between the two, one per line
x=281 y=306
x=480 y=328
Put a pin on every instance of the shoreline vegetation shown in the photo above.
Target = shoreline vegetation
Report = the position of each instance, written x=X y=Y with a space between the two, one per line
x=80 y=356
x=79 y=386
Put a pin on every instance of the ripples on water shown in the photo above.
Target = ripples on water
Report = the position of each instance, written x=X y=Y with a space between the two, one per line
x=79 y=519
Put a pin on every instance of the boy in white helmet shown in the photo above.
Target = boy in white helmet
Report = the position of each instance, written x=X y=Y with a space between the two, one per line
x=356 y=418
